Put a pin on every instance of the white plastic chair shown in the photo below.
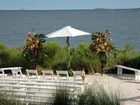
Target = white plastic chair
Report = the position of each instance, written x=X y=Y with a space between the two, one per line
x=79 y=75
x=62 y=75
x=16 y=71
x=48 y=74
x=32 y=74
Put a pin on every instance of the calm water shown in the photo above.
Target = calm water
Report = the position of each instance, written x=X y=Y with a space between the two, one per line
x=124 y=24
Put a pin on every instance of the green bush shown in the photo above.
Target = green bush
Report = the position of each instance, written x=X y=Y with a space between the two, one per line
x=133 y=62
x=125 y=54
x=79 y=57
x=83 y=58
x=4 y=56
x=102 y=47
x=11 y=57
x=129 y=57
x=98 y=96
x=33 y=50
x=15 y=57
x=57 y=56
x=63 y=97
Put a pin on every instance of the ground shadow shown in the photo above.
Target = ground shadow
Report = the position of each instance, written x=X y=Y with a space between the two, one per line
x=136 y=99
x=129 y=78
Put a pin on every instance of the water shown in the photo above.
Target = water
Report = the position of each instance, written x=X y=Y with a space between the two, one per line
x=124 y=24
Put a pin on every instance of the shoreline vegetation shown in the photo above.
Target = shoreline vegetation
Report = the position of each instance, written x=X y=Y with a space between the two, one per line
x=98 y=57
x=51 y=55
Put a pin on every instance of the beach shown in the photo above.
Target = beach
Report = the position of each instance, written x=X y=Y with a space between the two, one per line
x=125 y=86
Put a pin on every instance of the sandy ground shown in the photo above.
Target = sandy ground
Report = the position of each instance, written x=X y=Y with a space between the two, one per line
x=125 y=86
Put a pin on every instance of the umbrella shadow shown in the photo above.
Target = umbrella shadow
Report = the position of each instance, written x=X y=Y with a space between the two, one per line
x=128 y=78
x=135 y=98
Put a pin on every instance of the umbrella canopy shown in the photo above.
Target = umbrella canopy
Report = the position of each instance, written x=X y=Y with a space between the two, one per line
x=67 y=31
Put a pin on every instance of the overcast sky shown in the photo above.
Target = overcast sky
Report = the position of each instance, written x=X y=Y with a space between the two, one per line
x=67 y=4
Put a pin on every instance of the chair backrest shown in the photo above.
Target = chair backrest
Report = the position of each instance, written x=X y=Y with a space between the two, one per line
x=63 y=75
x=16 y=71
x=32 y=73
x=48 y=74
x=77 y=75
x=2 y=74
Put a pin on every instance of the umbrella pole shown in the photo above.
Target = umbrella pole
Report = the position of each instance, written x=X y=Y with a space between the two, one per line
x=69 y=56
x=67 y=41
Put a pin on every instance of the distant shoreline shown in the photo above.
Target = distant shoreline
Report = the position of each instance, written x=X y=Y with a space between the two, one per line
x=72 y=9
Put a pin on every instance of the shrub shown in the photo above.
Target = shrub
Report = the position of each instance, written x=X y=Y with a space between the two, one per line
x=33 y=49
x=83 y=58
x=15 y=56
x=78 y=56
x=125 y=54
x=63 y=97
x=4 y=56
x=11 y=57
x=56 y=56
x=134 y=62
x=102 y=47
x=98 y=96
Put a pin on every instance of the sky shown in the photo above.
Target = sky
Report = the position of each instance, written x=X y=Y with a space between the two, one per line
x=67 y=4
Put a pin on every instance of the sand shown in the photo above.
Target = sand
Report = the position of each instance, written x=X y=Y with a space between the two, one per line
x=127 y=88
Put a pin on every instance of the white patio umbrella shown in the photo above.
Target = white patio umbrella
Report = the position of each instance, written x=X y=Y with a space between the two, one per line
x=67 y=32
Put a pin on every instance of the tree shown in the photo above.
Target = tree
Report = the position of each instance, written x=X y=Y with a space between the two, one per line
x=102 y=47
x=33 y=48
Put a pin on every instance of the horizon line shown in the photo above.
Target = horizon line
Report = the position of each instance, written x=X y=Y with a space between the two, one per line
x=22 y=9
